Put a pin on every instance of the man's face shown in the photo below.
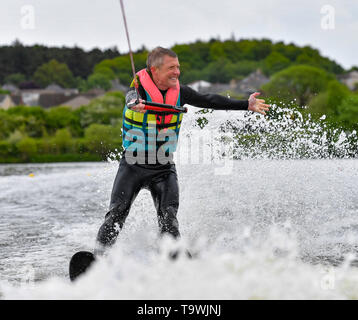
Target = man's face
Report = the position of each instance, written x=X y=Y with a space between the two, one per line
x=166 y=76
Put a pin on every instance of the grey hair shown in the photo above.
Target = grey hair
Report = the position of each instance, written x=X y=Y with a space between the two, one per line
x=155 y=57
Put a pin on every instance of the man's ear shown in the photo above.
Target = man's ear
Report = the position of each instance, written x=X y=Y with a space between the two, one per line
x=153 y=70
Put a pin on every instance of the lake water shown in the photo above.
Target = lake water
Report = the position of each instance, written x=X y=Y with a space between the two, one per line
x=266 y=229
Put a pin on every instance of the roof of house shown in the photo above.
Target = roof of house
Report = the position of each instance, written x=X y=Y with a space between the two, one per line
x=6 y=101
x=253 y=81
x=93 y=93
x=48 y=100
x=77 y=102
x=10 y=87
x=54 y=87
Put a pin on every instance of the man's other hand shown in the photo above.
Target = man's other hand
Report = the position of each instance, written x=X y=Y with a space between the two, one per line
x=258 y=105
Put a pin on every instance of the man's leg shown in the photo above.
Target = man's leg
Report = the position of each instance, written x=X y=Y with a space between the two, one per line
x=126 y=187
x=165 y=193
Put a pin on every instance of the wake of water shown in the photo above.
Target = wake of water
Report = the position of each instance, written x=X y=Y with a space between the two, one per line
x=270 y=214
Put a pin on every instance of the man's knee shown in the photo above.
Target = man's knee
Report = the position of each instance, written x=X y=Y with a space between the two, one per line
x=117 y=213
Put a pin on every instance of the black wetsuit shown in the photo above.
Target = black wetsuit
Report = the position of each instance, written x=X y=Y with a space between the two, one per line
x=160 y=179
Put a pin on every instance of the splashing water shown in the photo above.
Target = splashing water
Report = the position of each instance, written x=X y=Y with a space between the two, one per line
x=284 y=134
x=278 y=223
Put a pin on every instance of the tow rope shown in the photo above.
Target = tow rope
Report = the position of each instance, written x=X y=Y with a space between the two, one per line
x=154 y=106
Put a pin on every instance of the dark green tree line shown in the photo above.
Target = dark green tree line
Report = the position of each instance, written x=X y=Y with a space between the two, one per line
x=20 y=59
x=199 y=60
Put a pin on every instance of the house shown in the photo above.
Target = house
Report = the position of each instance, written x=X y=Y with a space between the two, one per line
x=6 y=102
x=84 y=98
x=51 y=99
x=17 y=98
x=246 y=86
x=350 y=79
x=54 y=95
x=51 y=96
x=94 y=93
x=252 y=82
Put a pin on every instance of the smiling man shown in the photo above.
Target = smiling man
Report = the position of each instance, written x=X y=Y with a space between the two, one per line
x=149 y=140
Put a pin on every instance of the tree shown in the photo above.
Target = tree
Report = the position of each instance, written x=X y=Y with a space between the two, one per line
x=275 y=62
x=298 y=82
x=185 y=53
x=290 y=51
x=98 y=80
x=78 y=62
x=63 y=140
x=348 y=112
x=15 y=78
x=337 y=92
x=217 y=51
x=354 y=68
x=62 y=117
x=107 y=109
x=220 y=71
x=20 y=59
x=246 y=49
x=27 y=147
x=106 y=71
x=30 y=120
x=54 y=72
x=107 y=64
x=122 y=68
x=327 y=102
x=101 y=138
x=190 y=75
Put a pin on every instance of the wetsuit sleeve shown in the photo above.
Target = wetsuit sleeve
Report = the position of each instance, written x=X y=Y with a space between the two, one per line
x=132 y=94
x=209 y=100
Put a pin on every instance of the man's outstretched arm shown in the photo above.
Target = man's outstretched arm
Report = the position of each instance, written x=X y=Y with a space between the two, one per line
x=219 y=102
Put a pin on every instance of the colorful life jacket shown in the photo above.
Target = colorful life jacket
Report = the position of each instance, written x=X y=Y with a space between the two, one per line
x=152 y=129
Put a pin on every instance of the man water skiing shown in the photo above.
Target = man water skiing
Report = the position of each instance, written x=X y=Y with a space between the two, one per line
x=149 y=140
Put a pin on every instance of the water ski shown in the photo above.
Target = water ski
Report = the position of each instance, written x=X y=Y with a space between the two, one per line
x=79 y=263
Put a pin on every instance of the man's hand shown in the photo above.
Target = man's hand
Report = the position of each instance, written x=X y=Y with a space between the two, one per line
x=258 y=105
x=139 y=107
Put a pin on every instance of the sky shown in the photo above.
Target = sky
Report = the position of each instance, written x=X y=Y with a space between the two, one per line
x=331 y=26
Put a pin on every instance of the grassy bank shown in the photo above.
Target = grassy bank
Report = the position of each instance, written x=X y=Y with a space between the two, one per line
x=46 y=158
x=62 y=134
